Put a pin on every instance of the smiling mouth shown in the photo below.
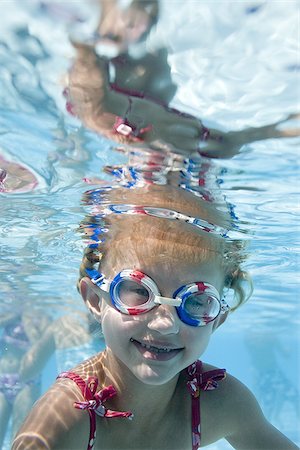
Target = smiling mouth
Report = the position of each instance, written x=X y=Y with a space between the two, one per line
x=154 y=349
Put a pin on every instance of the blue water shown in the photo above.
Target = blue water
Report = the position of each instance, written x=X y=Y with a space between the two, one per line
x=237 y=65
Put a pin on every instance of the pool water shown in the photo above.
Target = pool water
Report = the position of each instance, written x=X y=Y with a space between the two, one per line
x=236 y=65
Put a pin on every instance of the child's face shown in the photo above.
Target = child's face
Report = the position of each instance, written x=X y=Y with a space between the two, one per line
x=127 y=335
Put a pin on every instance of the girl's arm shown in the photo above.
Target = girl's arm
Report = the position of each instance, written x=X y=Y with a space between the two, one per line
x=249 y=428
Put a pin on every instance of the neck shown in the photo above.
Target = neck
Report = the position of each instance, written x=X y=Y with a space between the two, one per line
x=132 y=393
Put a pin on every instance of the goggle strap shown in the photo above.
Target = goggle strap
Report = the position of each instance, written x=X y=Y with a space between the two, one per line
x=97 y=278
x=224 y=306
x=167 y=301
x=104 y=286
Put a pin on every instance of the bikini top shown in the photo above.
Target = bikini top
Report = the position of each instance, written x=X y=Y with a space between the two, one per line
x=93 y=403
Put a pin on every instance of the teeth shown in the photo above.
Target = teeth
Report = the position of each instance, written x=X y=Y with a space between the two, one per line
x=155 y=349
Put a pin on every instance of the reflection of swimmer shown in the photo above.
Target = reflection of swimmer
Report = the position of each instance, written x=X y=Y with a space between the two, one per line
x=127 y=100
x=20 y=332
x=16 y=177
x=149 y=74
x=72 y=338
x=157 y=287
x=122 y=26
x=133 y=118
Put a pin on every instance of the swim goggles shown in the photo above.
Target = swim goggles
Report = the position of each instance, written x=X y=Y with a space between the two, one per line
x=132 y=292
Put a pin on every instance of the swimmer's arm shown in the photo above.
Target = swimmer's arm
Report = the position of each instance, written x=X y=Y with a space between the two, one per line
x=227 y=144
x=249 y=428
x=7 y=318
x=54 y=423
x=35 y=359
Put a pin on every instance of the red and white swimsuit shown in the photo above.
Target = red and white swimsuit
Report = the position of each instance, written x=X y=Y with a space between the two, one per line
x=198 y=380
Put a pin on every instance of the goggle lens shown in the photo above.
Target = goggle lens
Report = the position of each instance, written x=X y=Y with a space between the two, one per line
x=201 y=306
x=132 y=293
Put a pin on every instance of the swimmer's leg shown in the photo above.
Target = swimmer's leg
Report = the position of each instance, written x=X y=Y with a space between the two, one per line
x=5 y=412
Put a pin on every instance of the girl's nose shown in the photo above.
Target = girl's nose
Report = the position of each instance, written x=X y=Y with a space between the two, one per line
x=164 y=320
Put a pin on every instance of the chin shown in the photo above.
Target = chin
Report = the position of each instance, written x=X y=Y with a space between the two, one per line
x=154 y=376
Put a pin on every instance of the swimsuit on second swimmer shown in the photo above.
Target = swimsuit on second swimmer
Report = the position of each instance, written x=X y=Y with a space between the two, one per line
x=93 y=403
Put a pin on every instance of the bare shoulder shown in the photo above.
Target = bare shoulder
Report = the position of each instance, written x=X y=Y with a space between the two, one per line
x=54 y=422
x=230 y=388
x=226 y=400
x=239 y=417
x=235 y=401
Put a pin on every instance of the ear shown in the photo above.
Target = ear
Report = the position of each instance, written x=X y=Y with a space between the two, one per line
x=219 y=320
x=90 y=295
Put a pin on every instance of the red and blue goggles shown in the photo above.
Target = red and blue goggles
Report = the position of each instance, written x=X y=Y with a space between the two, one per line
x=133 y=292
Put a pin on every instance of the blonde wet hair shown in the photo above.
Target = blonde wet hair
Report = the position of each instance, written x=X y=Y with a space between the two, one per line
x=157 y=237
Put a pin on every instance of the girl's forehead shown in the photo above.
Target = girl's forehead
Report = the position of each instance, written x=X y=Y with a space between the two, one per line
x=169 y=269
x=151 y=245
x=153 y=253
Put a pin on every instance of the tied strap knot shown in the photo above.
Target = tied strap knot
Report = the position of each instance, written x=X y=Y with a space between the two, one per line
x=210 y=380
x=94 y=400
x=194 y=383
x=204 y=381
x=199 y=380
x=193 y=387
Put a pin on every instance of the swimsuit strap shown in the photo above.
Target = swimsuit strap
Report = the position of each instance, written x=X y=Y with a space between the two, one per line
x=206 y=381
x=94 y=402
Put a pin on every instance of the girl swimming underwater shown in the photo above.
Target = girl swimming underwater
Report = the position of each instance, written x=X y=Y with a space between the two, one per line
x=157 y=288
